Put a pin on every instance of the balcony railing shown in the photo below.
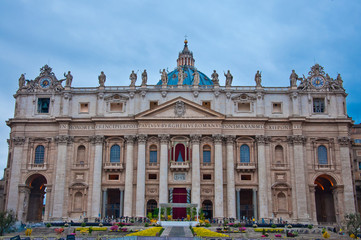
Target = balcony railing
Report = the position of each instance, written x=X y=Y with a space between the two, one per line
x=37 y=166
x=113 y=166
x=179 y=166
x=80 y=165
x=246 y=167
x=322 y=167
x=280 y=166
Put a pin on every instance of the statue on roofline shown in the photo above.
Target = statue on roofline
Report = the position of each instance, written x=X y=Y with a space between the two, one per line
x=22 y=81
x=229 y=78
x=258 y=78
x=144 y=78
x=133 y=78
x=68 y=79
x=102 y=78
x=164 y=77
x=215 y=79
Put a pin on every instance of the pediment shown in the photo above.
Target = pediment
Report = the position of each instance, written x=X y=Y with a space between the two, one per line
x=180 y=108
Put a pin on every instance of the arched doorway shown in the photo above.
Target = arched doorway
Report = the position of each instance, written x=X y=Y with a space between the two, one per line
x=207 y=208
x=325 y=206
x=36 y=207
x=151 y=207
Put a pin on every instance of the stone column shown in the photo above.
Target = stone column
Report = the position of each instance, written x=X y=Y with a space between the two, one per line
x=13 y=193
x=121 y=203
x=231 y=202
x=262 y=177
x=128 y=191
x=300 y=179
x=48 y=202
x=24 y=194
x=337 y=201
x=254 y=201
x=238 y=204
x=163 y=169
x=196 y=178
x=141 y=177
x=60 y=176
x=97 y=176
x=313 y=203
x=218 y=177
x=348 y=191
x=105 y=202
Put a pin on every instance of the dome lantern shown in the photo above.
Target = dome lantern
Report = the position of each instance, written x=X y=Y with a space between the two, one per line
x=185 y=57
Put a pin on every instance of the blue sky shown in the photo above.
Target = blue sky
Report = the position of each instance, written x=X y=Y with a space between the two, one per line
x=117 y=36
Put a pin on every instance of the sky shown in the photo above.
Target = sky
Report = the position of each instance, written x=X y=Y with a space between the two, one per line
x=118 y=36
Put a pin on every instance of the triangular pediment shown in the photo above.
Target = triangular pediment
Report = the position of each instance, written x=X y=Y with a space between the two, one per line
x=179 y=108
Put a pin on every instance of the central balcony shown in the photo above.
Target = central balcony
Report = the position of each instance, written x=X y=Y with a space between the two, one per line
x=179 y=166
x=246 y=167
x=113 y=167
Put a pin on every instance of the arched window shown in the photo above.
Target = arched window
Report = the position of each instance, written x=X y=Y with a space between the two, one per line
x=78 y=197
x=282 y=202
x=279 y=154
x=245 y=154
x=153 y=154
x=39 y=154
x=115 y=153
x=322 y=155
x=151 y=206
x=80 y=157
x=206 y=154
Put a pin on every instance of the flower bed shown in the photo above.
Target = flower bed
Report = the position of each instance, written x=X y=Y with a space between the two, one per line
x=94 y=228
x=269 y=229
x=202 y=232
x=150 y=232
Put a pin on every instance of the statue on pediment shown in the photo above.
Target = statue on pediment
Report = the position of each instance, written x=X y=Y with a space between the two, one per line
x=258 y=78
x=102 y=78
x=144 y=78
x=215 y=79
x=22 y=81
x=68 y=79
x=229 y=78
x=133 y=78
x=164 y=77
x=293 y=79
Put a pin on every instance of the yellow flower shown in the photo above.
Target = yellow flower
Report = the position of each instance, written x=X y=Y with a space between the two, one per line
x=326 y=235
x=150 y=232
x=28 y=232
x=202 y=232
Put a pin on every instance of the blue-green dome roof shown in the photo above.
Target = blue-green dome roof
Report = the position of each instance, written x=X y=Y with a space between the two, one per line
x=188 y=78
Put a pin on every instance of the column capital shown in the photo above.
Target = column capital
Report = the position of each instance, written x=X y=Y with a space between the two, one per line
x=343 y=141
x=23 y=188
x=261 y=139
x=142 y=138
x=297 y=139
x=97 y=139
x=64 y=139
x=217 y=138
x=312 y=188
x=17 y=141
x=164 y=138
x=195 y=138
x=230 y=139
x=130 y=139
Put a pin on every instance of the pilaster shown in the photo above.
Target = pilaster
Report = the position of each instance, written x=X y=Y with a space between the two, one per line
x=196 y=179
x=218 y=177
x=163 y=169
x=128 y=191
x=262 y=177
x=140 y=212
x=97 y=176
x=231 y=202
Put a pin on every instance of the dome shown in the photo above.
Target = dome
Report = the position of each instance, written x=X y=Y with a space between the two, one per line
x=188 y=78
x=186 y=62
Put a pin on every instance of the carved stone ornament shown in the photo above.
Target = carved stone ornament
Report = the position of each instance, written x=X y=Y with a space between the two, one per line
x=230 y=139
x=18 y=141
x=262 y=139
x=344 y=141
x=142 y=138
x=164 y=138
x=217 y=93
x=64 y=139
x=195 y=93
x=97 y=139
x=46 y=81
x=217 y=138
x=195 y=138
x=164 y=93
x=297 y=139
x=179 y=109
x=130 y=139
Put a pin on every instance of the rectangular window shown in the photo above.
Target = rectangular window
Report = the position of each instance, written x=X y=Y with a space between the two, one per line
x=84 y=108
x=246 y=177
x=152 y=176
x=206 y=104
x=244 y=107
x=113 y=177
x=116 y=107
x=153 y=104
x=207 y=176
x=277 y=108
x=207 y=156
x=318 y=105
x=153 y=156
x=359 y=166
x=357 y=140
x=43 y=105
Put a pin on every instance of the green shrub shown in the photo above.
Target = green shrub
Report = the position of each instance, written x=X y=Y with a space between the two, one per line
x=48 y=225
x=83 y=224
x=273 y=226
x=310 y=226
x=146 y=225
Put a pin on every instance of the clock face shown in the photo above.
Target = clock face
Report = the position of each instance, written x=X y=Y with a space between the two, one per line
x=318 y=81
x=45 y=82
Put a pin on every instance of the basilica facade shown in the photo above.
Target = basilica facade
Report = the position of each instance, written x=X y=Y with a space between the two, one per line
x=236 y=151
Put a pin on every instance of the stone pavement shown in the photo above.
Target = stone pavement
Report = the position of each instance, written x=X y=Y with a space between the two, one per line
x=177 y=232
